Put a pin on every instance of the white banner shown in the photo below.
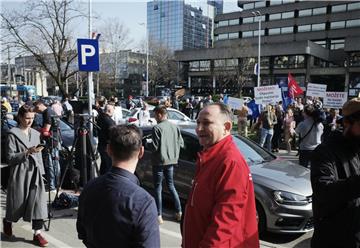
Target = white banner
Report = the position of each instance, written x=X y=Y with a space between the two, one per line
x=267 y=94
x=317 y=90
x=235 y=103
x=334 y=99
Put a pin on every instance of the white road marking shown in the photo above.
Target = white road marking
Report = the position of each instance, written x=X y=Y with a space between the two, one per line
x=53 y=241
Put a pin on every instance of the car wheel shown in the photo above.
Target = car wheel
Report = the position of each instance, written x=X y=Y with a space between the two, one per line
x=261 y=218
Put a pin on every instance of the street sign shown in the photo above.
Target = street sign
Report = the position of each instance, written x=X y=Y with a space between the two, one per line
x=88 y=54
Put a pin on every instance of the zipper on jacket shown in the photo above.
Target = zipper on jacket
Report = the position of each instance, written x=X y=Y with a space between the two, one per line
x=193 y=194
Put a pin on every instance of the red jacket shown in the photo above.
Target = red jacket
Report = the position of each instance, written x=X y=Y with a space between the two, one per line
x=221 y=211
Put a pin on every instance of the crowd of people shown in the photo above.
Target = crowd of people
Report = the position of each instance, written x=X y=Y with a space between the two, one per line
x=220 y=211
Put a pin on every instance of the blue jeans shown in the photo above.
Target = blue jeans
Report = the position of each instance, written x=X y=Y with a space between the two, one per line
x=266 y=137
x=53 y=168
x=168 y=172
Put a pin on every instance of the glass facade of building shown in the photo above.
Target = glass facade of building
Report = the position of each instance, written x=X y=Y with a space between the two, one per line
x=177 y=25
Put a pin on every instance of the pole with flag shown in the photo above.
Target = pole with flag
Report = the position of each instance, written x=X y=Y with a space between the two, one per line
x=294 y=89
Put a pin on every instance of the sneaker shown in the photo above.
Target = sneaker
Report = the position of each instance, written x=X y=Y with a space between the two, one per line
x=7 y=228
x=39 y=240
x=178 y=216
x=160 y=220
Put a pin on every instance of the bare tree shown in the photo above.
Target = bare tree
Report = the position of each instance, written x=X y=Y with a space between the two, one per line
x=236 y=70
x=162 y=65
x=114 y=40
x=43 y=29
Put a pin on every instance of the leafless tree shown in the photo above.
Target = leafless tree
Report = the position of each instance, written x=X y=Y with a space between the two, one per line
x=162 y=65
x=43 y=29
x=114 y=40
x=237 y=69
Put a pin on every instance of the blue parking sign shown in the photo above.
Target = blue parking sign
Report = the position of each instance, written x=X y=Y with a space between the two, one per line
x=88 y=54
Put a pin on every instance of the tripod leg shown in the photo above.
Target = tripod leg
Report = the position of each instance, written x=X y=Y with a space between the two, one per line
x=93 y=159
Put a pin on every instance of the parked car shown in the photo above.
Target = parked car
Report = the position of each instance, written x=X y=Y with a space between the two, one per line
x=174 y=116
x=282 y=189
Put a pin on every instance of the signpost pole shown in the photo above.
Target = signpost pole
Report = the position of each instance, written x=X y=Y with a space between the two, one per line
x=90 y=80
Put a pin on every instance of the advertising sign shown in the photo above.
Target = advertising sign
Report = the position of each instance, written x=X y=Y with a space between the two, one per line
x=334 y=99
x=316 y=90
x=267 y=94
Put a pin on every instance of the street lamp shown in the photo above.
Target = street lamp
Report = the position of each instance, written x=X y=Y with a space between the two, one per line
x=258 y=15
x=147 y=60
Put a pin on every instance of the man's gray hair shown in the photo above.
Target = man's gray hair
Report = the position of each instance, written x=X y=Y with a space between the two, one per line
x=224 y=110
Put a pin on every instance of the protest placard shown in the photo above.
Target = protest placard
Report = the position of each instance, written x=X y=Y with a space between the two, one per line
x=235 y=103
x=267 y=94
x=317 y=90
x=335 y=99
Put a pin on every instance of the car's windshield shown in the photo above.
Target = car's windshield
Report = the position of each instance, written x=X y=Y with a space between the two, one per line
x=251 y=152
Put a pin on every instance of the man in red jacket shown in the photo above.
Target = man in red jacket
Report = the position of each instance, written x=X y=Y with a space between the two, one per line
x=220 y=211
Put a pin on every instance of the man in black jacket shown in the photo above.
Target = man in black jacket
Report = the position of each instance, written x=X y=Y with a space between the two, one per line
x=335 y=179
x=114 y=211
x=105 y=122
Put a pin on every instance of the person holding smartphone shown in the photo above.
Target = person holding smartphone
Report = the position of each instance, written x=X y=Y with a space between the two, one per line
x=26 y=196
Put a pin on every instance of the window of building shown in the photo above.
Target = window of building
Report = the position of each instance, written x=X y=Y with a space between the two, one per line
x=318 y=27
x=248 y=20
x=234 y=22
x=286 y=15
x=337 y=44
x=319 y=62
x=353 y=6
x=321 y=43
x=304 y=28
x=248 y=6
x=281 y=62
x=275 y=2
x=232 y=62
x=305 y=12
x=223 y=36
x=355 y=59
x=223 y=23
x=265 y=63
x=336 y=25
x=274 y=31
x=319 y=11
x=296 y=61
x=262 y=32
x=247 y=34
x=353 y=23
x=233 y=35
x=260 y=4
x=194 y=65
x=338 y=8
x=275 y=16
x=219 y=63
x=287 y=30
x=204 y=65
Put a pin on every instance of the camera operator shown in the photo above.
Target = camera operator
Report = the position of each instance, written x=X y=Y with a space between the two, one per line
x=51 y=154
x=104 y=122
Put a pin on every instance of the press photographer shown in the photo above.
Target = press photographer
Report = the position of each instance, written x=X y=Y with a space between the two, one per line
x=51 y=136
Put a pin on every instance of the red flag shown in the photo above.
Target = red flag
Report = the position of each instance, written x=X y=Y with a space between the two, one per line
x=294 y=88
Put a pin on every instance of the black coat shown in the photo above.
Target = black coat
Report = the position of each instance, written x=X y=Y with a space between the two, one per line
x=335 y=179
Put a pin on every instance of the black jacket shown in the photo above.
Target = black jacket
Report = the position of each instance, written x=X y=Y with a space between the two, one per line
x=114 y=211
x=335 y=179
x=105 y=123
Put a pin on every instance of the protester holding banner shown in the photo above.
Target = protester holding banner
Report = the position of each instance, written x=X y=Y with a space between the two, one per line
x=268 y=120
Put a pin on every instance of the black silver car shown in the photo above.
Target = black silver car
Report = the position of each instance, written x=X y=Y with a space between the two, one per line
x=282 y=189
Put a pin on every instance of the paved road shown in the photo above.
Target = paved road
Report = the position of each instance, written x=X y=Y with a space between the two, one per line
x=63 y=231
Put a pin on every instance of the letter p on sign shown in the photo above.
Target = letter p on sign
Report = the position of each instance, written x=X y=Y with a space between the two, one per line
x=88 y=54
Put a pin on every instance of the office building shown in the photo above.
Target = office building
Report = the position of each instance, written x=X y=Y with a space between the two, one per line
x=316 y=41
x=177 y=25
